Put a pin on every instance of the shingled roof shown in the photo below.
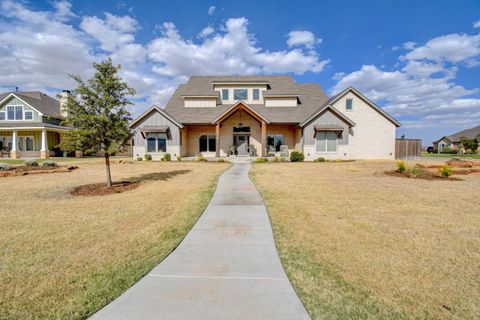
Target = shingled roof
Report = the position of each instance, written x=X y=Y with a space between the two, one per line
x=310 y=95
x=38 y=100
x=468 y=133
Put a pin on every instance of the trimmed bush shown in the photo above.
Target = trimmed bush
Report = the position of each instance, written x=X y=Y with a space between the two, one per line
x=401 y=166
x=445 y=171
x=49 y=164
x=275 y=159
x=297 y=156
x=5 y=166
x=201 y=159
x=320 y=159
x=416 y=172
x=220 y=160
x=179 y=158
x=148 y=157
x=31 y=163
x=139 y=159
x=261 y=160
x=167 y=157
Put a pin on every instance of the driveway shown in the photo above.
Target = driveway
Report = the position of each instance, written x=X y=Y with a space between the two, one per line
x=227 y=267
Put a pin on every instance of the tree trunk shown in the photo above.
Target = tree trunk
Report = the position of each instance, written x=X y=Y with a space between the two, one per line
x=107 y=168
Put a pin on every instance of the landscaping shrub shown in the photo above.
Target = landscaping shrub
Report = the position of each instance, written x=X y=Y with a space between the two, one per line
x=275 y=159
x=261 y=160
x=320 y=159
x=31 y=163
x=148 y=157
x=416 y=172
x=297 y=156
x=49 y=164
x=167 y=157
x=220 y=160
x=283 y=159
x=201 y=158
x=445 y=171
x=5 y=166
x=139 y=159
x=401 y=166
x=179 y=158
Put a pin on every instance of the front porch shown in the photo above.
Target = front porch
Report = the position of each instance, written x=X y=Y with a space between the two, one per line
x=16 y=143
x=240 y=132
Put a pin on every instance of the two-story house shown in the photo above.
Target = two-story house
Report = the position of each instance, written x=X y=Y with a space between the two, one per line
x=264 y=115
x=30 y=124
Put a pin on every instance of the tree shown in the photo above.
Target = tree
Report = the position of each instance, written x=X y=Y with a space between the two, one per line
x=97 y=112
x=470 y=144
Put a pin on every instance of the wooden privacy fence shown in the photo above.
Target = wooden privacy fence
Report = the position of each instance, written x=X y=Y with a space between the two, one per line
x=407 y=148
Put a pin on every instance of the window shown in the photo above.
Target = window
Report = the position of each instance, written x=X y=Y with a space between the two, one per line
x=240 y=94
x=156 y=142
x=207 y=143
x=6 y=143
x=326 y=141
x=29 y=143
x=10 y=112
x=225 y=94
x=275 y=141
x=256 y=94
x=28 y=115
x=2 y=115
x=349 y=104
x=14 y=113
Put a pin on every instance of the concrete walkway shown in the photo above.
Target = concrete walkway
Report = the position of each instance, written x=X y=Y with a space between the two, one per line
x=227 y=267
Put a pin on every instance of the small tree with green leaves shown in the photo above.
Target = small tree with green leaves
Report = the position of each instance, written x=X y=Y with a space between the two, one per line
x=470 y=144
x=97 y=111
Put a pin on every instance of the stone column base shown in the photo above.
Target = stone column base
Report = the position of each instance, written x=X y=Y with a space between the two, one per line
x=78 y=154
x=14 y=154
x=44 y=154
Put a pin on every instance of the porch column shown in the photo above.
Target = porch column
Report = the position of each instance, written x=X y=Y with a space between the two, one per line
x=264 y=139
x=44 y=150
x=217 y=140
x=14 y=153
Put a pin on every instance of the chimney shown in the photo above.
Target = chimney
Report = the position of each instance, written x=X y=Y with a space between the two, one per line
x=63 y=97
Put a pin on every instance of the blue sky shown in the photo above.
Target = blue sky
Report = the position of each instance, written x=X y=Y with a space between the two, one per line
x=420 y=60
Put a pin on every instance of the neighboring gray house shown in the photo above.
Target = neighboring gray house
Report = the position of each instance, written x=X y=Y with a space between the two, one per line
x=452 y=141
x=264 y=115
x=30 y=124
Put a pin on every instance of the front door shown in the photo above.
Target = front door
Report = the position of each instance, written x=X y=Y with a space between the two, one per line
x=242 y=144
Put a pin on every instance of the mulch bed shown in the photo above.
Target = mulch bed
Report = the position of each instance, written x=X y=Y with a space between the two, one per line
x=426 y=175
x=101 y=189
x=24 y=170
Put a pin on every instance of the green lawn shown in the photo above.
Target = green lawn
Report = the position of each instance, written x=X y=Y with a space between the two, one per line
x=443 y=155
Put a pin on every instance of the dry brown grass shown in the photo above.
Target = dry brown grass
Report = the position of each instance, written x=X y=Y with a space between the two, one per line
x=64 y=257
x=357 y=243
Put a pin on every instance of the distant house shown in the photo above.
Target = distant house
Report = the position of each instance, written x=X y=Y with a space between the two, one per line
x=220 y=116
x=452 y=142
x=30 y=124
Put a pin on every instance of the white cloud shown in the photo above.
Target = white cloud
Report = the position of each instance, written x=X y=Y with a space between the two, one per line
x=40 y=48
x=231 y=51
x=476 y=24
x=112 y=33
x=211 y=10
x=206 y=32
x=409 y=45
x=453 y=48
x=302 y=38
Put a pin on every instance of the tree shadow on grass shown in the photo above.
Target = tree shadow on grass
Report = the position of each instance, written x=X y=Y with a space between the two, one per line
x=158 y=176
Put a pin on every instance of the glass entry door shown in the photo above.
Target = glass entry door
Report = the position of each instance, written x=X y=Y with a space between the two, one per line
x=241 y=143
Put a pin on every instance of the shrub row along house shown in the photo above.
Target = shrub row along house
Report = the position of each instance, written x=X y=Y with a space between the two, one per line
x=263 y=116
x=30 y=124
